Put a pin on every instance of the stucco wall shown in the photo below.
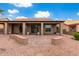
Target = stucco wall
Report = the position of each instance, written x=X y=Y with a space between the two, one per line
x=1 y=28
x=9 y=29
x=66 y=28
x=14 y=29
x=77 y=28
x=28 y=29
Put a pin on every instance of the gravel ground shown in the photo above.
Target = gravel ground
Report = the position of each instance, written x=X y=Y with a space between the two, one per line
x=39 y=46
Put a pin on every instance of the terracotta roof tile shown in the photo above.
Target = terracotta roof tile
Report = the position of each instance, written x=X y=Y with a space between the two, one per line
x=33 y=19
x=4 y=19
x=71 y=22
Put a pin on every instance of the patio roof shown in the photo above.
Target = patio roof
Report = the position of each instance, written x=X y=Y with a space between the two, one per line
x=30 y=20
x=33 y=19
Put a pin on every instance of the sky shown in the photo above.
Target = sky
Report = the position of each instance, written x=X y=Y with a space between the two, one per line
x=54 y=11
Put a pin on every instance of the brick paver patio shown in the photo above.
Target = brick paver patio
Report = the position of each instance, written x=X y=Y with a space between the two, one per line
x=39 y=45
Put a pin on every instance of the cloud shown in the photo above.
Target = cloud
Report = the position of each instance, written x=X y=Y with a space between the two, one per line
x=10 y=15
x=21 y=17
x=78 y=13
x=56 y=19
x=42 y=14
x=13 y=11
x=10 y=18
x=22 y=4
x=69 y=19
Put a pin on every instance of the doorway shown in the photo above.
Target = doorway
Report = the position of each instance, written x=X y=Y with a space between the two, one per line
x=35 y=29
x=16 y=29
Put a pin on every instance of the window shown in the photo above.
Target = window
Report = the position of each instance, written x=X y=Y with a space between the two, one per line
x=48 y=28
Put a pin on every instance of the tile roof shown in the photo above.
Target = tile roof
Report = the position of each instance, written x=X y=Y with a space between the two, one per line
x=33 y=19
x=29 y=19
x=4 y=19
x=71 y=22
x=37 y=19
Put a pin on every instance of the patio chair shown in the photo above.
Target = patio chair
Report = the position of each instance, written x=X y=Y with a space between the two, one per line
x=28 y=33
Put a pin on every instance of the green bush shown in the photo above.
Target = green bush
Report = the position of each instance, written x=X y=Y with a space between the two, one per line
x=76 y=35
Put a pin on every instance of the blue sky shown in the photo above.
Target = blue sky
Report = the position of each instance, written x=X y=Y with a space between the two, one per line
x=55 y=11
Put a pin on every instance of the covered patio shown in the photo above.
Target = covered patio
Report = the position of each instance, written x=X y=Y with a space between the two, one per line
x=32 y=27
x=15 y=28
x=41 y=28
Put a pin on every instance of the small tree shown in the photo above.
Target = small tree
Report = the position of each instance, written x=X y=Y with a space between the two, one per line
x=76 y=35
x=1 y=12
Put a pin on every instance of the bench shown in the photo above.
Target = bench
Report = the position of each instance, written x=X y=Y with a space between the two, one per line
x=19 y=39
x=57 y=40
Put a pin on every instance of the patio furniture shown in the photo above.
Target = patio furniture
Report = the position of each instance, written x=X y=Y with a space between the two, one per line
x=56 y=40
x=38 y=33
x=28 y=33
x=19 y=39
x=2 y=50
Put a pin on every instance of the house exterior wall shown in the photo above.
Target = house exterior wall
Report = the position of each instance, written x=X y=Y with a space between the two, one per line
x=54 y=29
x=28 y=29
x=2 y=28
x=66 y=29
x=9 y=29
x=77 y=28
x=69 y=29
x=14 y=27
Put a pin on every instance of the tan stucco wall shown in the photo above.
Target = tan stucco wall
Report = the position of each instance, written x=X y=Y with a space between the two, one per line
x=70 y=29
x=2 y=28
x=28 y=29
x=15 y=28
x=9 y=29
x=66 y=28
x=77 y=28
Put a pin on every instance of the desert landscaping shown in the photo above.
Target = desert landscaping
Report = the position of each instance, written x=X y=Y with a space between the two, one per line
x=39 y=45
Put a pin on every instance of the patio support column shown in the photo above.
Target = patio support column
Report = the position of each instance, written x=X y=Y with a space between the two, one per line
x=77 y=28
x=6 y=28
x=23 y=27
x=61 y=28
x=42 y=29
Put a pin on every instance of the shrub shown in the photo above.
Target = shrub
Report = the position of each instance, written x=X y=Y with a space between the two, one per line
x=76 y=35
